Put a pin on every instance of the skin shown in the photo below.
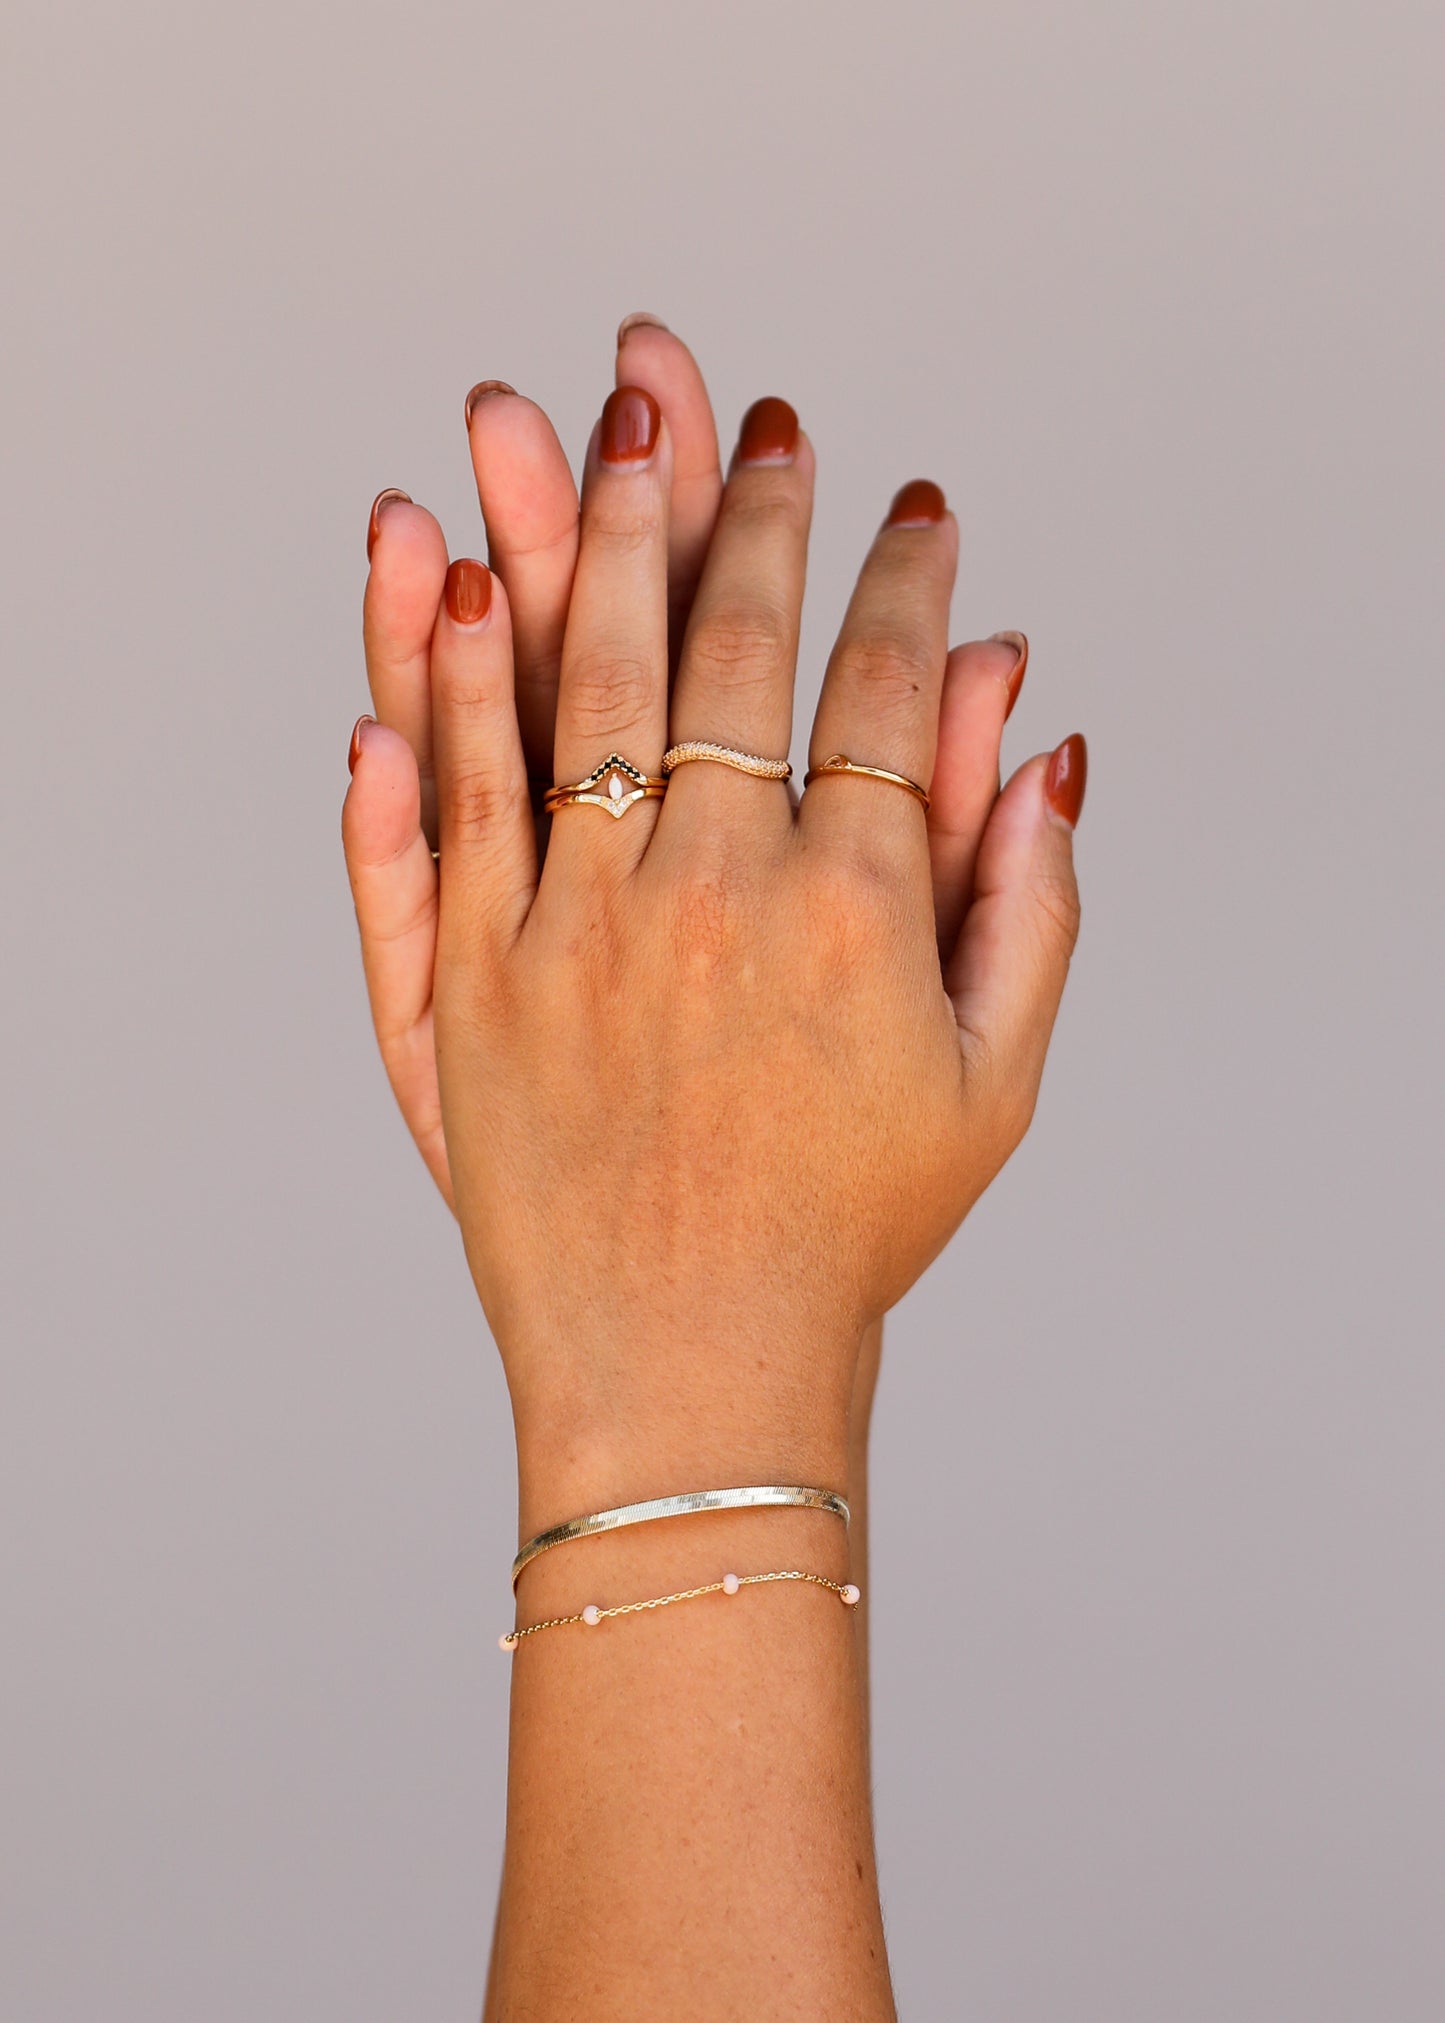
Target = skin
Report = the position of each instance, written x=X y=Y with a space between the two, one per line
x=707 y=1087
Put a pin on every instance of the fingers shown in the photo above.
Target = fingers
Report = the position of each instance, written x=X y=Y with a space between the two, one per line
x=980 y=685
x=613 y=692
x=1007 y=973
x=735 y=682
x=488 y=840
x=649 y=356
x=529 y=504
x=394 y=886
x=408 y=556
x=879 y=705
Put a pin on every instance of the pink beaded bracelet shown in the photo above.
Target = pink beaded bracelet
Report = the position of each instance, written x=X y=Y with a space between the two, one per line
x=730 y=1583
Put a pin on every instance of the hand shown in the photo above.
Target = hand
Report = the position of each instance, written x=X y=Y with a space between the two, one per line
x=712 y=1101
x=529 y=504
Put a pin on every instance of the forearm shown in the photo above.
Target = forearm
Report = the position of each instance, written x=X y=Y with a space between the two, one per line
x=709 y=1549
x=688 y=1827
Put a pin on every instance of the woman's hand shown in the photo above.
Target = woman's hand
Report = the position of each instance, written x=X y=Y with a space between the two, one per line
x=530 y=507
x=712 y=1101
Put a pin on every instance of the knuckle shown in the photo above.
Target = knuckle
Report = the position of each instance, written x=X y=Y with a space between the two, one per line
x=605 y=690
x=765 y=505
x=477 y=797
x=855 y=905
x=741 y=645
x=623 y=526
x=890 y=668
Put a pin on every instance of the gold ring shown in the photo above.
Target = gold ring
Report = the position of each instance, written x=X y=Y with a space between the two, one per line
x=839 y=764
x=725 y=755
x=618 y=798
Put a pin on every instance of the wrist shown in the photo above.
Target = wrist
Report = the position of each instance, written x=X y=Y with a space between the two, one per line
x=613 y=1435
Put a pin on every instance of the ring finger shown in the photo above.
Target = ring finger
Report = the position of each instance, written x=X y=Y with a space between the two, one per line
x=879 y=704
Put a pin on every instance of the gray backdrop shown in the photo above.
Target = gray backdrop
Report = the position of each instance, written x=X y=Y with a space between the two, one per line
x=1155 y=292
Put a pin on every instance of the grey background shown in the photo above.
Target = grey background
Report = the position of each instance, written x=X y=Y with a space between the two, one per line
x=1155 y=291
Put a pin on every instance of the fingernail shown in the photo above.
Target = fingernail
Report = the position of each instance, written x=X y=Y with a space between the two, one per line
x=379 y=504
x=468 y=592
x=1019 y=642
x=1065 y=778
x=356 y=730
x=630 y=421
x=482 y=390
x=640 y=319
x=769 y=433
x=919 y=504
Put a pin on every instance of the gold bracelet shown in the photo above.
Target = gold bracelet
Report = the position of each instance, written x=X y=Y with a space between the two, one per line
x=591 y=1616
x=767 y=1495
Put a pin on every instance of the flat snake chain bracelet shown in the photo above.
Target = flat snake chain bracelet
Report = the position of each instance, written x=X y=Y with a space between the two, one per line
x=591 y=1616
x=768 y=1495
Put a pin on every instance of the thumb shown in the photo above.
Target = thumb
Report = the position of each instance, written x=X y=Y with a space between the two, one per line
x=1007 y=971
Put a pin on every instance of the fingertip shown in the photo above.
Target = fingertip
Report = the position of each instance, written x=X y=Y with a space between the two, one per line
x=378 y=755
x=640 y=319
x=483 y=390
x=391 y=495
x=919 y=503
x=404 y=542
x=1014 y=676
x=382 y=808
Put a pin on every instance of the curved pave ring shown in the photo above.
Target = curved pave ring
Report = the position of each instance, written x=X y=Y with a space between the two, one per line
x=626 y=785
x=725 y=755
x=839 y=764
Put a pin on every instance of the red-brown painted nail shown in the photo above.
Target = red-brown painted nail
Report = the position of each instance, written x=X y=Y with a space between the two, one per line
x=631 y=419
x=1065 y=777
x=483 y=390
x=640 y=319
x=769 y=433
x=356 y=730
x=1019 y=642
x=468 y=592
x=390 y=497
x=919 y=504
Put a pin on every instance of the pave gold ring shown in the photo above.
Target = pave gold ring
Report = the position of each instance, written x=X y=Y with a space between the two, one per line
x=626 y=785
x=696 y=750
x=839 y=764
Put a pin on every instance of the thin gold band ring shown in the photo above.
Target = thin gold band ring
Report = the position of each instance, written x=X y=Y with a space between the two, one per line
x=839 y=764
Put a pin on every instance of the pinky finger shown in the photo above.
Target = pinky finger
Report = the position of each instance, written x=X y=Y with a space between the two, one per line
x=394 y=887
x=1007 y=972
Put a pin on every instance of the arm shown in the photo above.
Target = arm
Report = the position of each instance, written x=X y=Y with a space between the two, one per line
x=738 y=1006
